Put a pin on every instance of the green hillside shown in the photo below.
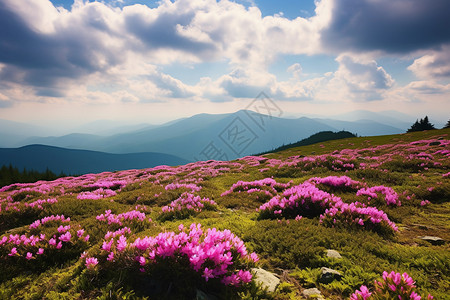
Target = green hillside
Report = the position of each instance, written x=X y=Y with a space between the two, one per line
x=129 y=234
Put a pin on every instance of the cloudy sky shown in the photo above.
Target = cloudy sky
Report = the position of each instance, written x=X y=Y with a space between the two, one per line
x=152 y=61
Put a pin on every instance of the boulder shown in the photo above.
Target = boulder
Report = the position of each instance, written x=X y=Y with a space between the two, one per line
x=266 y=279
x=433 y=240
x=313 y=293
x=333 y=254
x=328 y=275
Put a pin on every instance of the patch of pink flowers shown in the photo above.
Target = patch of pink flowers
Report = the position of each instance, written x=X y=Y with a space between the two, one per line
x=33 y=246
x=188 y=202
x=299 y=199
x=213 y=254
x=52 y=218
x=336 y=181
x=120 y=219
x=357 y=214
x=191 y=186
x=256 y=186
x=392 y=286
x=391 y=197
x=97 y=194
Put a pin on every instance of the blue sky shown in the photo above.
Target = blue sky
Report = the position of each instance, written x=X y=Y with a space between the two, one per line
x=154 y=61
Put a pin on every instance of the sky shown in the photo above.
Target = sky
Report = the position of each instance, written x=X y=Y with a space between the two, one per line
x=65 y=62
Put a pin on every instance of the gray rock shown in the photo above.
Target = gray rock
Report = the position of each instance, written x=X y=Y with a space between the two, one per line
x=266 y=279
x=328 y=275
x=333 y=254
x=433 y=240
x=313 y=293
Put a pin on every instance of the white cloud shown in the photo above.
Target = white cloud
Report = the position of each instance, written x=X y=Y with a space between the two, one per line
x=435 y=65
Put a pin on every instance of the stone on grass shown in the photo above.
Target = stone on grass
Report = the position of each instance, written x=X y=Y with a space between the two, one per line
x=328 y=275
x=313 y=293
x=266 y=279
x=433 y=240
x=333 y=254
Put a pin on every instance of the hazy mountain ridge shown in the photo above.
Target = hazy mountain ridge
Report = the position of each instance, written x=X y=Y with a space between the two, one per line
x=72 y=161
x=188 y=138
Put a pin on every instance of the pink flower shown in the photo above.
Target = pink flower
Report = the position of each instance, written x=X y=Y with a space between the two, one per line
x=65 y=237
x=91 y=262
x=122 y=243
x=29 y=256
x=207 y=274
x=13 y=251
x=110 y=256
x=52 y=242
x=40 y=251
x=245 y=276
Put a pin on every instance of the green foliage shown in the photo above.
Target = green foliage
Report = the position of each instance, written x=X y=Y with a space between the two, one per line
x=423 y=124
x=10 y=175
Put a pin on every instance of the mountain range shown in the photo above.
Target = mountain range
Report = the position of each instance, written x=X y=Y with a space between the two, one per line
x=213 y=136
x=70 y=161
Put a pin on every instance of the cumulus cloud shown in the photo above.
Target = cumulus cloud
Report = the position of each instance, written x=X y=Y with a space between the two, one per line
x=363 y=79
x=390 y=26
x=435 y=65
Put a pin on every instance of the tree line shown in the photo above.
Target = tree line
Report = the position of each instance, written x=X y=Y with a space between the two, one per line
x=10 y=175
x=424 y=124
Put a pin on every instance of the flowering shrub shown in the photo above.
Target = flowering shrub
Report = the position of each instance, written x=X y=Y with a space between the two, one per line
x=268 y=185
x=359 y=215
x=188 y=204
x=210 y=255
x=336 y=182
x=191 y=186
x=304 y=199
x=393 y=286
x=51 y=218
x=132 y=218
x=65 y=239
x=391 y=197
x=97 y=194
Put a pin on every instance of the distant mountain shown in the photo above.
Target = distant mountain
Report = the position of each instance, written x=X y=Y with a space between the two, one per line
x=362 y=127
x=12 y=132
x=389 y=117
x=215 y=136
x=109 y=127
x=69 y=161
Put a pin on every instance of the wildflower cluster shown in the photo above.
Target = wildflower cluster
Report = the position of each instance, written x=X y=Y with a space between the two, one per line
x=304 y=199
x=308 y=200
x=393 y=286
x=267 y=185
x=52 y=218
x=97 y=194
x=187 y=204
x=132 y=217
x=34 y=246
x=190 y=186
x=390 y=196
x=357 y=214
x=212 y=254
x=336 y=182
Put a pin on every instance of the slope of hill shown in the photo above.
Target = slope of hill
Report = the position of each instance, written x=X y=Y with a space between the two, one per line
x=319 y=137
x=197 y=230
x=69 y=161
x=232 y=135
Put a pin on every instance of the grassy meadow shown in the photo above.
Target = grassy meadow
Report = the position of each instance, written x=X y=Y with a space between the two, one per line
x=129 y=234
